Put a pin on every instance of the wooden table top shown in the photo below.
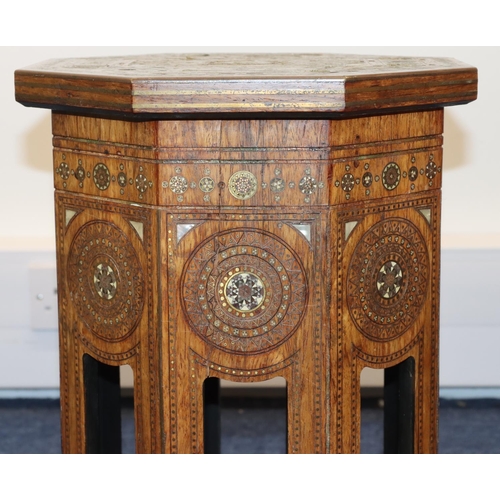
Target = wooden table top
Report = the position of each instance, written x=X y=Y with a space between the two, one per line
x=187 y=84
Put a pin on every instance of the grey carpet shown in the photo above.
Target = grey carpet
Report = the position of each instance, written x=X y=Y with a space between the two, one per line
x=465 y=427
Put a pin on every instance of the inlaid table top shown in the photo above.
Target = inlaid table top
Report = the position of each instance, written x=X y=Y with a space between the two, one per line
x=246 y=83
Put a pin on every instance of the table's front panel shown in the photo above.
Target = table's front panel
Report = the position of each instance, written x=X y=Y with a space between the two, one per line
x=246 y=302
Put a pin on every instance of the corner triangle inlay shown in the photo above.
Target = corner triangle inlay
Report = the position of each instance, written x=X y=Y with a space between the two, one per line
x=426 y=212
x=183 y=229
x=304 y=230
x=349 y=228
x=69 y=214
x=139 y=228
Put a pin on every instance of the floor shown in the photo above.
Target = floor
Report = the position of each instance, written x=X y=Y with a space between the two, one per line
x=465 y=427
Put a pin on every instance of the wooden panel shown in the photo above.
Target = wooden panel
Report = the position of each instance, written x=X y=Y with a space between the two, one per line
x=245 y=298
x=387 y=282
x=280 y=134
x=108 y=309
x=189 y=134
x=373 y=129
x=98 y=130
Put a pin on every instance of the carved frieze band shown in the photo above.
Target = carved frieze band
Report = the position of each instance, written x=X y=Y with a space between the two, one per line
x=109 y=177
x=244 y=183
x=247 y=182
x=191 y=184
x=380 y=177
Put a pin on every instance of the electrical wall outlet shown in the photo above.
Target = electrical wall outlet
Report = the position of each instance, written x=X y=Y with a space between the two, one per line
x=43 y=296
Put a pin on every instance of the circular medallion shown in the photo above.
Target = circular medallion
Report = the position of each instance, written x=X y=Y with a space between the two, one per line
x=413 y=174
x=308 y=185
x=122 y=179
x=391 y=175
x=141 y=183
x=63 y=171
x=244 y=291
x=178 y=184
x=347 y=182
x=101 y=176
x=277 y=185
x=207 y=184
x=105 y=280
x=367 y=179
x=431 y=170
x=80 y=173
x=387 y=279
x=243 y=185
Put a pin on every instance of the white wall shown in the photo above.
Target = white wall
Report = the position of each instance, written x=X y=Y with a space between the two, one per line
x=470 y=219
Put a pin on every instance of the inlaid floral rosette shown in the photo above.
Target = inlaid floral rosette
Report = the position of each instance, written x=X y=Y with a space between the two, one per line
x=387 y=279
x=105 y=280
x=244 y=291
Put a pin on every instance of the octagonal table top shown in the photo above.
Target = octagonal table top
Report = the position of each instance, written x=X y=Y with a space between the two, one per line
x=217 y=83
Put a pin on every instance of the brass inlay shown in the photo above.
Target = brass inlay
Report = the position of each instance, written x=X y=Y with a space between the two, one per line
x=207 y=184
x=243 y=185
